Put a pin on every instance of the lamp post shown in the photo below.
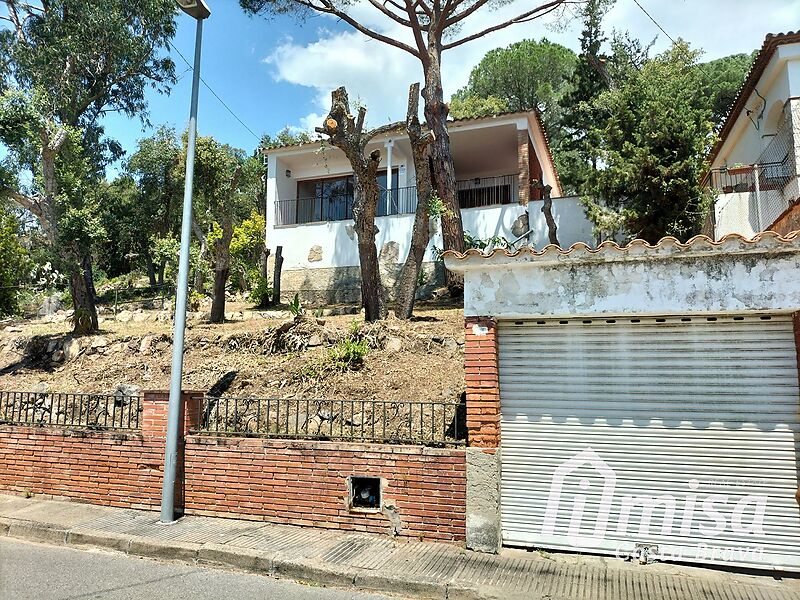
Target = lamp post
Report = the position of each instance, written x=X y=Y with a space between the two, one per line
x=199 y=11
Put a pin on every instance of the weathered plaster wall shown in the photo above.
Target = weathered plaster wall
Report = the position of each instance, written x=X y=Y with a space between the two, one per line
x=668 y=279
x=484 y=533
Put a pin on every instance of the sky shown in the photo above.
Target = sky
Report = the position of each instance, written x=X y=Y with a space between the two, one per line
x=278 y=72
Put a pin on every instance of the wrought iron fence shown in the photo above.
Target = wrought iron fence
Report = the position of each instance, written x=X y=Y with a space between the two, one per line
x=93 y=411
x=381 y=421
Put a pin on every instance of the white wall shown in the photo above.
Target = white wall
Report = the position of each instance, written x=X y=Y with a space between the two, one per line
x=669 y=279
x=339 y=244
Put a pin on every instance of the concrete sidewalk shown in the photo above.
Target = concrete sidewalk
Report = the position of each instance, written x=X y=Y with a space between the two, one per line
x=350 y=560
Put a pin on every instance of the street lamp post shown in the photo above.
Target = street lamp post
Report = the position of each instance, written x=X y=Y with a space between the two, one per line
x=199 y=11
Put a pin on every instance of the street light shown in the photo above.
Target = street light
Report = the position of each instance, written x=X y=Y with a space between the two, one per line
x=199 y=11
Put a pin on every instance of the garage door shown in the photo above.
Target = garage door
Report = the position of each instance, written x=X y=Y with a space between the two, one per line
x=675 y=436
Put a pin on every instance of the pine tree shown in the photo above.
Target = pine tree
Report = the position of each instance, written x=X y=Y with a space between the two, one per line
x=590 y=79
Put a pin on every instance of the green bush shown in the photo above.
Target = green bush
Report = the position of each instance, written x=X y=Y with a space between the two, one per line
x=261 y=292
x=348 y=354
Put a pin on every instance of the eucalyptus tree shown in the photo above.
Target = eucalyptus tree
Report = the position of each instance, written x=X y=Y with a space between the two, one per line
x=66 y=64
x=432 y=27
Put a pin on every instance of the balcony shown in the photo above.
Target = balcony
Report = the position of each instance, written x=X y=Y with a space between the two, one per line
x=472 y=193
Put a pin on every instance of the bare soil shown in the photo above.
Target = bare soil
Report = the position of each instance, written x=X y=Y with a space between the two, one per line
x=420 y=360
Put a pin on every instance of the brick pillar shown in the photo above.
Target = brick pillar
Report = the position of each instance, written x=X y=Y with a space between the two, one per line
x=155 y=408
x=523 y=162
x=483 y=435
x=483 y=384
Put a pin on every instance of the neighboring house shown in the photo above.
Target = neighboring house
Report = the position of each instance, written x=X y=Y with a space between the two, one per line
x=310 y=200
x=754 y=165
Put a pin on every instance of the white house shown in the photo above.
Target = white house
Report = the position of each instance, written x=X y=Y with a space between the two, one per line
x=754 y=166
x=310 y=197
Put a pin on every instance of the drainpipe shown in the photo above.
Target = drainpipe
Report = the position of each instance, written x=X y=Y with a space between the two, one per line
x=758 y=199
x=389 y=146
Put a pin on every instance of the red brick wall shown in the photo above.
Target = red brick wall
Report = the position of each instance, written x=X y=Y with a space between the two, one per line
x=305 y=483
x=301 y=483
x=113 y=469
x=482 y=382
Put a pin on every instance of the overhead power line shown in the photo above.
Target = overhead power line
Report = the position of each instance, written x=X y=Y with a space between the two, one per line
x=210 y=89
x=664 y=31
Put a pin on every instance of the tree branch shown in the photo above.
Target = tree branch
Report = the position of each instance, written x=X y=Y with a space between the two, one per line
x=417 y=30
x=390 y=14
x=327 y=7
x=534 y=13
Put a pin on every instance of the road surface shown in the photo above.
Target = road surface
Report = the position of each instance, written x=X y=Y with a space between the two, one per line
x=41 y=572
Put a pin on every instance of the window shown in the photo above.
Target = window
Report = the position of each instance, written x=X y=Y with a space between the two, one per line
x=328 y=199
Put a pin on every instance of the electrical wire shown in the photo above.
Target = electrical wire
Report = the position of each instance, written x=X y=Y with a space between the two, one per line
x=664 y=31
x=221 y=101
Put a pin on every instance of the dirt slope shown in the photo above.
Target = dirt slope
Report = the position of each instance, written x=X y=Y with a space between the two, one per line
x=416 y=360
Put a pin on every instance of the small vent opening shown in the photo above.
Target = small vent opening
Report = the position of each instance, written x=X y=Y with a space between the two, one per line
x=365 y=493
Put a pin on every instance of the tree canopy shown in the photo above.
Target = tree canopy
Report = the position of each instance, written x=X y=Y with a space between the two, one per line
x=652 y=145
x=523 y=76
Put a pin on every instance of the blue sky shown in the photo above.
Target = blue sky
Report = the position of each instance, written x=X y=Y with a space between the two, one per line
x=279 y=72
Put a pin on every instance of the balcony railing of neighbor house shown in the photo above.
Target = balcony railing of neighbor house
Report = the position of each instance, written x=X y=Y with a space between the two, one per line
x=92 y=411
x=472 y=193
x=440 y=423
x=751 y=197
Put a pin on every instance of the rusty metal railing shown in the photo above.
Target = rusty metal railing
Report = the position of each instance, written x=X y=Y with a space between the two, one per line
x=91 y=411
x=437 y=423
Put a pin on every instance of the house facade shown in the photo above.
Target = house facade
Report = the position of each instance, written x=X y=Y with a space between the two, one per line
x=310 y=200
x=754 y=166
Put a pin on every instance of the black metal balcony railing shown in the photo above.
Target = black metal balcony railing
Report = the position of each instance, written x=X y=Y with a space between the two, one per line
x=472 y=193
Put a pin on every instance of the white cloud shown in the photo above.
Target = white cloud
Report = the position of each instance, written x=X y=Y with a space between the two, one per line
x=378 y=75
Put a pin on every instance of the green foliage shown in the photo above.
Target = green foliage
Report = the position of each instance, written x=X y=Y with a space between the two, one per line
x=14 y=262
x=436 y=207
x=247 y=245
x=471 y=241
x=261 y=292
x=522 y=76
x=285 y=137
x=194 y=300
x=720 y=81
x=296 y=307
x=465 y=105
x=652 y=145
x=348 y=354
x=576 y=153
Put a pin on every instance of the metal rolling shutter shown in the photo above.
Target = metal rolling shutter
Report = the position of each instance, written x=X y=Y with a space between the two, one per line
x=680 y=409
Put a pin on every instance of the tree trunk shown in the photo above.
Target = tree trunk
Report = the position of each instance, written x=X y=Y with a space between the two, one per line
x=151 y=269
x=199 y=277
x=443 y=173
x=218 y=303
x=222 y=263
x=365 y=206
x=84 y=319
x=547 y=209
x=347 y=134
x=420 y=236
x=276 y=277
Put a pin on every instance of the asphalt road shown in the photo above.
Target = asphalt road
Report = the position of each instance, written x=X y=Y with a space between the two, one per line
x=40 y=572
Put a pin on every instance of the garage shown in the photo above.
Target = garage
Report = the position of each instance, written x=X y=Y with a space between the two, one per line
x=671 y=437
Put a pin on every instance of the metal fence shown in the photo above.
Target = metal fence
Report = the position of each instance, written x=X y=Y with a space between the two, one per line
x=379 y=421
x=92 y=411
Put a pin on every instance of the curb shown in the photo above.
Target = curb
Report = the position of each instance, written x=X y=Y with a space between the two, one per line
x=241 y=559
